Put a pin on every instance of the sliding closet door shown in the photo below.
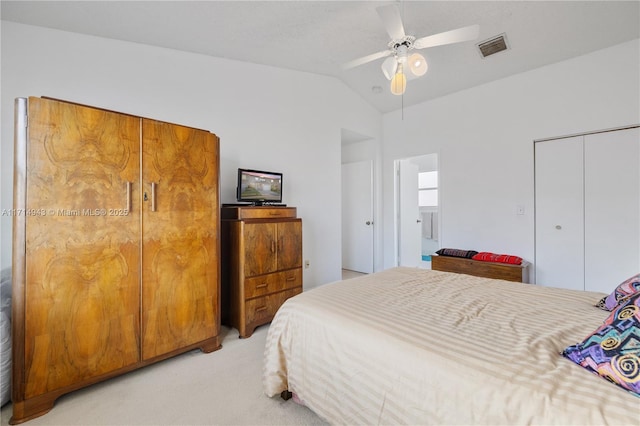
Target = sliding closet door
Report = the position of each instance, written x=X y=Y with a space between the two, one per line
x=559 y=213
x=612 y=208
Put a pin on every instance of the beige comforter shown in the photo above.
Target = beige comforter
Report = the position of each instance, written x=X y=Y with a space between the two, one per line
x=415 y=346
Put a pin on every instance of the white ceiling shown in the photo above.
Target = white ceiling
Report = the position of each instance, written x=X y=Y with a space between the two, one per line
x=320 y=36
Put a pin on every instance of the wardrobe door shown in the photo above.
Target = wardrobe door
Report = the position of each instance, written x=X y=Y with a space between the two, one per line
x=81 y=286
x=180 y=229
x=611 y=208
x=559 y=213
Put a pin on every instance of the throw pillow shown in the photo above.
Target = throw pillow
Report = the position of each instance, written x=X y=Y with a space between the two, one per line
x=613 y=350
x=457 y=253
x=621 y=293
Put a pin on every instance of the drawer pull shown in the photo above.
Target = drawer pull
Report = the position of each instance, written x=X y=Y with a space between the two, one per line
x=291 y=278
x=263 y=285
x=261 y=308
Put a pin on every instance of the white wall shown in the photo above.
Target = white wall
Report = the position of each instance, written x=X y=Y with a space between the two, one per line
x=266 y=118
x=290 y=121
x=484 y=137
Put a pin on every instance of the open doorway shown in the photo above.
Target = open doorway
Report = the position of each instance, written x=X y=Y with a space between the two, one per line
x=417 y=210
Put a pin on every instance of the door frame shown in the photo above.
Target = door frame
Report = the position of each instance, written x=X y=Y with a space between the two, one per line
x=397 y=200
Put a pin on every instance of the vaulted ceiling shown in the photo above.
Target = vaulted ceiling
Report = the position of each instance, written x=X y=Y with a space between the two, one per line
x=320 y=36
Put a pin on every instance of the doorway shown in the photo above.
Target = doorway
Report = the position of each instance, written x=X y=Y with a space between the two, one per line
x=359 y=154
x=417 y=210
x=357 y=216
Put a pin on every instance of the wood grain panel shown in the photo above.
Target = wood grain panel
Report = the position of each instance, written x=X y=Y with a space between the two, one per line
x=181 y=270
x=290 y=244
x=260 y=241
x=82 y=256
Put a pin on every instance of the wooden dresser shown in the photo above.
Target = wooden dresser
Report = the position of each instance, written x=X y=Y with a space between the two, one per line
x=261 y=263
x=501 y=271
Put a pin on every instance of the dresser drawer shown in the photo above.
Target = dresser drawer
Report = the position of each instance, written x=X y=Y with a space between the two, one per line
x=271 y=283
x=262 y=309
x=267 y=212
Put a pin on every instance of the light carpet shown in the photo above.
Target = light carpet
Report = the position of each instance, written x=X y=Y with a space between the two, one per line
x=220 y=388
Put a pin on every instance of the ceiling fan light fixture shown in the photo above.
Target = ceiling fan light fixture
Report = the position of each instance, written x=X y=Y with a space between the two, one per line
x=418 y=64
x=389 y=67
x=401 y=46
x=399 y=82
x=401 y=53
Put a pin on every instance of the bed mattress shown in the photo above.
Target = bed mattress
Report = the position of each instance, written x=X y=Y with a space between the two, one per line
x=415 y=346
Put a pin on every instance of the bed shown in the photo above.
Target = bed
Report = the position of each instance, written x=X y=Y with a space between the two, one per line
x=416 y=346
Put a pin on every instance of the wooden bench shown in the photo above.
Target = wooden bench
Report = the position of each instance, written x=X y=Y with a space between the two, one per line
x=501 y=271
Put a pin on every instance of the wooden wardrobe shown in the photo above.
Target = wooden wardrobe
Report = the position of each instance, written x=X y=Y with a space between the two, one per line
x=115 y=247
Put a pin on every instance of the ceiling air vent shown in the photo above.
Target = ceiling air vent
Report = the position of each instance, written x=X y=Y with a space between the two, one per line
x=493 y=45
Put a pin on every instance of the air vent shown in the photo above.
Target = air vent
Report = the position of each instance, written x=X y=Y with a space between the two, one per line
x=493 y=45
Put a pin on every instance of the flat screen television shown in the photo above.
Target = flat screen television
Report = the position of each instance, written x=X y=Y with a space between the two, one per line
x=259 y=187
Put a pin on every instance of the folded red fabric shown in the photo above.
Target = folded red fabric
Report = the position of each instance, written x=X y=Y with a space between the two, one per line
x=498 y=258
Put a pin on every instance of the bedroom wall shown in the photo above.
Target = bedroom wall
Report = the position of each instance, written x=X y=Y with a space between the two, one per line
x=266 y=118
x=484 y=137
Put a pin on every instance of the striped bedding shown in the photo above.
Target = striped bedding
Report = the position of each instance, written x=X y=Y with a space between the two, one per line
x=415 y=346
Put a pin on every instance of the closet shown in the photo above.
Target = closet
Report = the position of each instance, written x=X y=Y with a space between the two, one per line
x=587 y=210
x=116 y=247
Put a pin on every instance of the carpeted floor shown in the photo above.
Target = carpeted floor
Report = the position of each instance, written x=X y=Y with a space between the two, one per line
x=220 y=388
x=347 y=274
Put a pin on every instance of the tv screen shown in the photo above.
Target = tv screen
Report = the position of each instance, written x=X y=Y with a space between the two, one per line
x=259 y=187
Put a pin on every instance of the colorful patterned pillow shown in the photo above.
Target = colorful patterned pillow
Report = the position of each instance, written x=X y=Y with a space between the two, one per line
x=457 y=253
x=613 y=350
x=499 y=258
x=621 y=293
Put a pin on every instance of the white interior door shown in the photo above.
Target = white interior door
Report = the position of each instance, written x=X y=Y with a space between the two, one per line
x=612 y=208
x=559 y=222
x=357 y=216
x=409 y=250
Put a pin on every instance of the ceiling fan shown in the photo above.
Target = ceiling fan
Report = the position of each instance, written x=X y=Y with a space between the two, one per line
x=401 y=64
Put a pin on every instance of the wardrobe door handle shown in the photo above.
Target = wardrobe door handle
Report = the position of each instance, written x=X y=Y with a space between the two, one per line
x=153 y=196
x=128 y=189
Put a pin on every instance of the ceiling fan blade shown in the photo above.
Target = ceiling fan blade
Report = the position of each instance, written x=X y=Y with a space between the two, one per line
x=365 y=59
x=448 y=37
x=392 y=21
